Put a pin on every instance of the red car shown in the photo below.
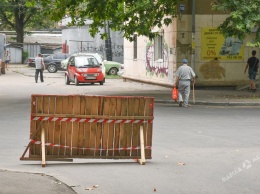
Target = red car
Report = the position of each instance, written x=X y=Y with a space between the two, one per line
x=84 y=69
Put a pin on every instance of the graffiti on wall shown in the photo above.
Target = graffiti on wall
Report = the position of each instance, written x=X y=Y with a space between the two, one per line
x=212 y=70
x=158 y=68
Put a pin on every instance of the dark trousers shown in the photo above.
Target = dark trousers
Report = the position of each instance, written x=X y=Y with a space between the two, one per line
x=37 y=71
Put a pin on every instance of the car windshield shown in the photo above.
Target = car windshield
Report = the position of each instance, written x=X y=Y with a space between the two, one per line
x=86 y=62
x=99 y=58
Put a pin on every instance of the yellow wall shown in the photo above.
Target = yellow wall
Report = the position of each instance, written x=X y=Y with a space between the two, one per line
x=221 y=72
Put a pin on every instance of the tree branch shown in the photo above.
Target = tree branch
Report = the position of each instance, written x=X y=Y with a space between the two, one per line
x=6 y=20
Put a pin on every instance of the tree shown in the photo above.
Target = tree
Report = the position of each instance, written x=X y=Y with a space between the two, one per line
x=128 y=16
x=244 y=17
x=17 y=16
x=140 y=16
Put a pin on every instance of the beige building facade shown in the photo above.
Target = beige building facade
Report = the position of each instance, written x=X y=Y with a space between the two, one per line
x=216 y=60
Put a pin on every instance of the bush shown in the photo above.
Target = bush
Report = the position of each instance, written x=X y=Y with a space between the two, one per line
x=25 y=55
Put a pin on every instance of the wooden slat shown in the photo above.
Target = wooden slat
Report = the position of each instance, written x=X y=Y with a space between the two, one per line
x=88 y=108
x=58 y=127
x=81 y=133
x=76 y=139
x=70 y=129
x=32 y=125
x=43 y=147
x=39 y=109
x=51 y=124
x=129 y=127
x=45 y=124
x=91 y=116
x=111 y=126
x=142 y=160
x=105 y=127
x=99 y=127
x=136 y=127
x=123 y=134
x=142 y=113
x=117 y=126
x=149 y=111
x=56 y=158
x=93 y=126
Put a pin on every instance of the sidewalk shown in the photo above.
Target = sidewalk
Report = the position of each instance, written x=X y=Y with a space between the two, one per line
x=221 y=97
x=211 y=96
x=30 y=183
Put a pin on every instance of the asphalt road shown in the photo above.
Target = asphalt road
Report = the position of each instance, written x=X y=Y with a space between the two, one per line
x=198 y=150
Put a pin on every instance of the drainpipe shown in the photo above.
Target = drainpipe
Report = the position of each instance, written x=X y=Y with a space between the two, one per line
x=193 y=36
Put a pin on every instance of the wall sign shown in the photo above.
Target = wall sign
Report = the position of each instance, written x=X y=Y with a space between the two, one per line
x=215 y=45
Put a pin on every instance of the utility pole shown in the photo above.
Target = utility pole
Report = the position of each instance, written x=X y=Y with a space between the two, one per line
x=193 y=36
x=108 y=44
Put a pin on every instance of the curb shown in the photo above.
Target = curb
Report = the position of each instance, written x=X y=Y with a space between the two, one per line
x=253 y=104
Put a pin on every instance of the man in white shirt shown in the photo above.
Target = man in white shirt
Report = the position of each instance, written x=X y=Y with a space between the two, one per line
x=184 y=75
x=39 y=67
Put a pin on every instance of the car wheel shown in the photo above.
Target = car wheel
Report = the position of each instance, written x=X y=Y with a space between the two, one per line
x=52 y=68
x=76 y=81
x=113 y=71
x=102 y=82
x=67 y=81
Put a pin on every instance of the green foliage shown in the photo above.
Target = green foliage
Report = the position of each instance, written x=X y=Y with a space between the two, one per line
x=16 y=15
x=25 y=55
x=244 y=16
x=128 y=16
x=141 y=16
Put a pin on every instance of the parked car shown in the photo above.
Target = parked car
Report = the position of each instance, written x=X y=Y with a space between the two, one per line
x=111 y=67
x=31 y=61
x=84 y=68
x=52 y=62
x=121 y=70
x=45 y=55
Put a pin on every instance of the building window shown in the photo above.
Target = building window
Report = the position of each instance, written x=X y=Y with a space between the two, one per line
x=158 y=47
x=135 y=46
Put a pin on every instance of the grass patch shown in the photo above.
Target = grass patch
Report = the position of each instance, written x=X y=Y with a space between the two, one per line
x=112 y=76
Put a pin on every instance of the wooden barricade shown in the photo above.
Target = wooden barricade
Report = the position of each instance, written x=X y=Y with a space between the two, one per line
x=77 y=126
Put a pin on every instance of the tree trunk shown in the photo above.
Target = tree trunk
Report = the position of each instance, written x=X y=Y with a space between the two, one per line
x=19 y=25
x=20 y=35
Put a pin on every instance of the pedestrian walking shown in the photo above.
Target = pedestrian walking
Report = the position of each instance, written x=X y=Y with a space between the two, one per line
x=252 y=65
x=184 y=76
x=7 y=59
x=39 y=67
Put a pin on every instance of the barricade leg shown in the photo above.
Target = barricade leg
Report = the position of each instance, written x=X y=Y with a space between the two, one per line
x=142 y=160
x=43 y=147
